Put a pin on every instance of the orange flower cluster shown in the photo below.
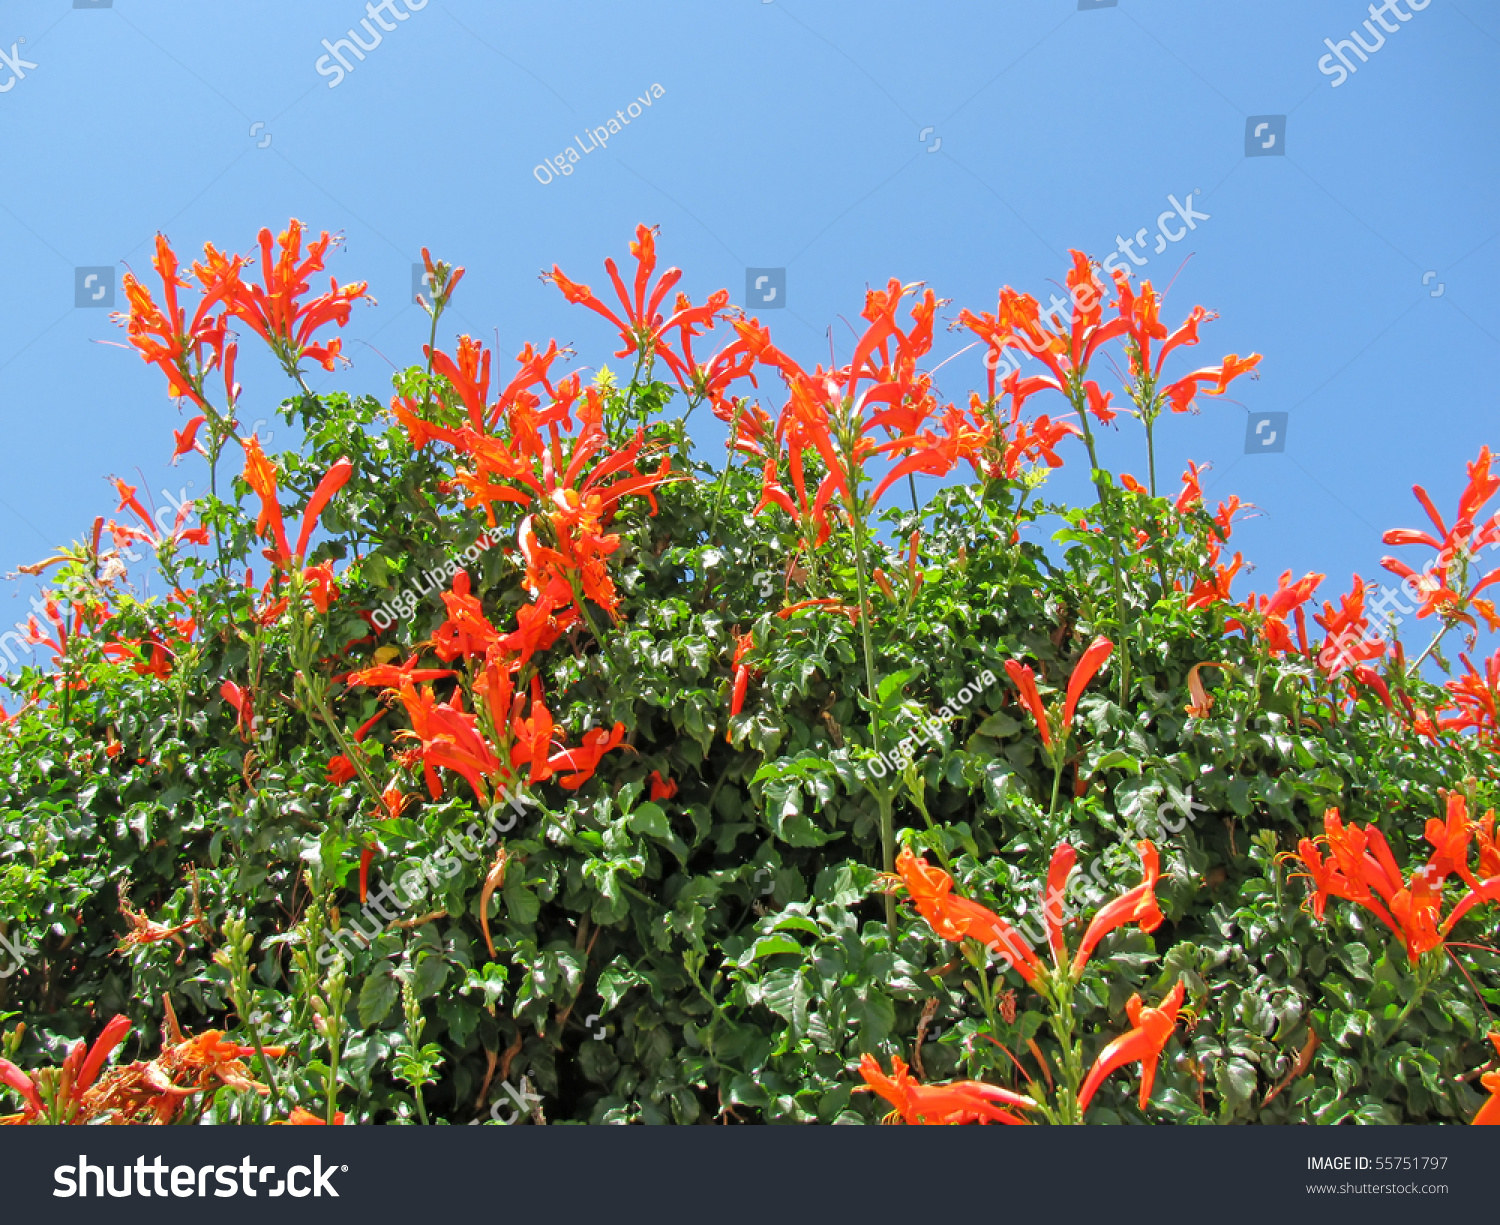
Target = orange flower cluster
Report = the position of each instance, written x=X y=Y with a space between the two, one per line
x=956 y=918
x=1360 y=868
x=143 y=1092
x=645 y=332
x=187 y=351
x=877 y=406
x=1067 y=346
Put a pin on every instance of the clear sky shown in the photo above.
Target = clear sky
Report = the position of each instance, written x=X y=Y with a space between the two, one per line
x=965 y=143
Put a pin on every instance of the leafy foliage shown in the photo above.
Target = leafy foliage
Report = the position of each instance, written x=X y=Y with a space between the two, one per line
x=694 y=923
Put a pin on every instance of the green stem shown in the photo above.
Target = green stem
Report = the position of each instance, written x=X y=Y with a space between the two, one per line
x=1431 y=647
x=887 y=824
x=1063 y=1024
x=332 y=1091
x=265 y=1063
x=1079 y=400
x=734 y=426
x=1057 y=769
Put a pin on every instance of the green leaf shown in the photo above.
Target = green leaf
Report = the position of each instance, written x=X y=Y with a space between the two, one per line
x=376 y=998
x=769 y=946
x=650 y=820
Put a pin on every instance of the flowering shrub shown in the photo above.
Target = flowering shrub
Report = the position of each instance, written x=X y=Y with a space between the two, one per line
x=625 y=816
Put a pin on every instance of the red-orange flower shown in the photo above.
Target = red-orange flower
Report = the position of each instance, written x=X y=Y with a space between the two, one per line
x=1274 y=609
x=272 y=308
x=305 y=1118
x=1350 y=641
x=961 y=1101
x=80 y=1069
x=1489 y=1113
x=643 y=328
x=1084 y=670
x=163 y=335
x=1151 y=1028
x=1360 y=868
x=955 y=918
x=1435 y=590
x=1136 y=905
x=1025 y=681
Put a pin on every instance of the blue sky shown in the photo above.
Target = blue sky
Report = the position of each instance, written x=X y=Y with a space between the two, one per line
x=967 y=145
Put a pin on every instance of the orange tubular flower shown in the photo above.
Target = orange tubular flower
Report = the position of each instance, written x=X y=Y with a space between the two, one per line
x=1489 y=1113
x=1025 y=681
x=80 y=1069
x=961 y=1101
x=450 y=738
x=1434 y=586
x=391 y=676
x=1361 y=869
x=743 y=644
x=164 y=337
x=1350 y=641
x=272 y=311
x=1063 y=860
x=1138 y=906
x=260 y=475
x=643 y=327
x=333 y=480
x=954 y=918
x=1477 y=699
x=662 y=788
x=305 y=1118
x=1274 y=609
x=1182 y=392
x=584 y=760
x=1151 y=1028
x=1083 y=672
